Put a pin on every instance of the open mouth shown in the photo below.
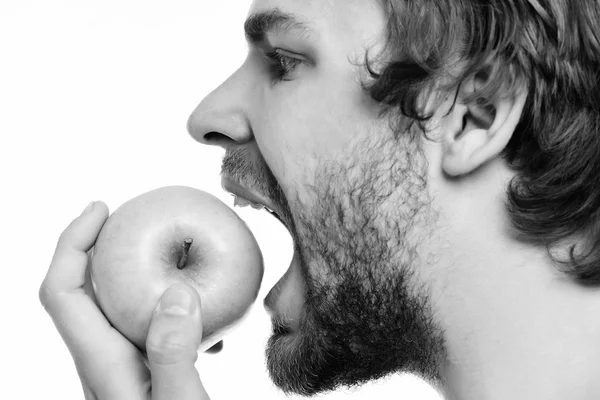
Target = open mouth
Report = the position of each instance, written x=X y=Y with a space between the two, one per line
x=241 y=202
x=285 y=301
x=246 y=198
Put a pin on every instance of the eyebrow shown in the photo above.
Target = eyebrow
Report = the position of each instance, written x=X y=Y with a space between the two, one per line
x=260 y=24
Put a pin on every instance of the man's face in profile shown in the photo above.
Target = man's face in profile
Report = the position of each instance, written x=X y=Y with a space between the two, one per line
x=407 y=256
x=351 y=191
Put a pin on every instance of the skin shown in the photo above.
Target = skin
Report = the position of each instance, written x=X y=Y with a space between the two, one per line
x=110 y=366
x=405 y=258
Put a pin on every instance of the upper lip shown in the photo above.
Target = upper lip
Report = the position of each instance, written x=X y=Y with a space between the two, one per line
x=239 y=190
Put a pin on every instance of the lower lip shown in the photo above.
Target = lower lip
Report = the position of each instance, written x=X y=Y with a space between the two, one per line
x=285 y=300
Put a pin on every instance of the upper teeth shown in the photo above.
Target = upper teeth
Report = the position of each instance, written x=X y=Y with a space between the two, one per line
x=242 y=202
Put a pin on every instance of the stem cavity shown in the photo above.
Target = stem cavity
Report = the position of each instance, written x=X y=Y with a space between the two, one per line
x=187 y=243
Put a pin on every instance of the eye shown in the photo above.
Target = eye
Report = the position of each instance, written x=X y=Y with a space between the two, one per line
x=281 y=64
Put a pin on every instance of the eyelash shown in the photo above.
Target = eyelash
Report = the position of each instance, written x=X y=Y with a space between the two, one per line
x=281 y=65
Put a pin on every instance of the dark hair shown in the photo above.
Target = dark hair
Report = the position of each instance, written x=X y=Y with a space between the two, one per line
x=550 y=47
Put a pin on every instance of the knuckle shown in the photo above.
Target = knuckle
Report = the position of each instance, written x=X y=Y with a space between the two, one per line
x=45 y=295
x=49 y=298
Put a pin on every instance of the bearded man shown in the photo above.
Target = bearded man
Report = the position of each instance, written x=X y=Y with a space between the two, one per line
x=437 y=163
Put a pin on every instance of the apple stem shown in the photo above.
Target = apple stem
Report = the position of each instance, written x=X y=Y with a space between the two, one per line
x=187 y=243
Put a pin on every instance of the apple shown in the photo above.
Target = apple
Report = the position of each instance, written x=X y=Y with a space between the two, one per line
x=169 y=235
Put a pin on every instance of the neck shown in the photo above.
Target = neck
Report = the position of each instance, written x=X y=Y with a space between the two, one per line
x=546 y=349
x=518 y=328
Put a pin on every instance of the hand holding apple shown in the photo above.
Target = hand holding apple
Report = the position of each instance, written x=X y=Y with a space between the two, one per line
x=109 y=365
x=175 y=235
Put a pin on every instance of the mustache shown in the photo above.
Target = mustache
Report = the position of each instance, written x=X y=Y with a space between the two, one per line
x=251 y=170
x=238 y=167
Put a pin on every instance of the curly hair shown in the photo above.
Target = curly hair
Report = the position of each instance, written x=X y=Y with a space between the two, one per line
x=550 y=47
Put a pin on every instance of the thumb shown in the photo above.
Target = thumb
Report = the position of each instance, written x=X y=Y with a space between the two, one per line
x=172 y=345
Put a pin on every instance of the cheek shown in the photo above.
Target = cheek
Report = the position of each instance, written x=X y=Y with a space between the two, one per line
x=302 y=126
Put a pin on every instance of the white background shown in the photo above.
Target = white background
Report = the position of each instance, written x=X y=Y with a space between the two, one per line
x=94 y=98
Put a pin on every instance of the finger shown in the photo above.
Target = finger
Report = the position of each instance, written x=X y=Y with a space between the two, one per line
x=105 y=361
x=75 y=317
x=172 y=345
x=67 y=269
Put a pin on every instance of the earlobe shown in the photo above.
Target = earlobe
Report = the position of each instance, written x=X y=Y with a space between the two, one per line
x=482 y=134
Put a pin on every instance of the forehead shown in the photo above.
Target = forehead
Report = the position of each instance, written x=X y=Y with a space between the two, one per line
x=339 y=21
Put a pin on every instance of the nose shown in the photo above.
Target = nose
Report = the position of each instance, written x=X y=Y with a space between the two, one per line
x=221 y=118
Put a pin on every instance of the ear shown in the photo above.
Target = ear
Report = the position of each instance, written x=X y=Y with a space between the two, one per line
x=477 y=132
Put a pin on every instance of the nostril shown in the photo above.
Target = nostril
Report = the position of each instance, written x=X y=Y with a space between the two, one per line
x=212 y=136
x=218 y=139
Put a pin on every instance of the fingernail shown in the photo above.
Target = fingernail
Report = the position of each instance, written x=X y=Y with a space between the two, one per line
x=89 y=208
x=177 y=301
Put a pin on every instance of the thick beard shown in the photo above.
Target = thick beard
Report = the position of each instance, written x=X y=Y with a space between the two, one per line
x=366 y=315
